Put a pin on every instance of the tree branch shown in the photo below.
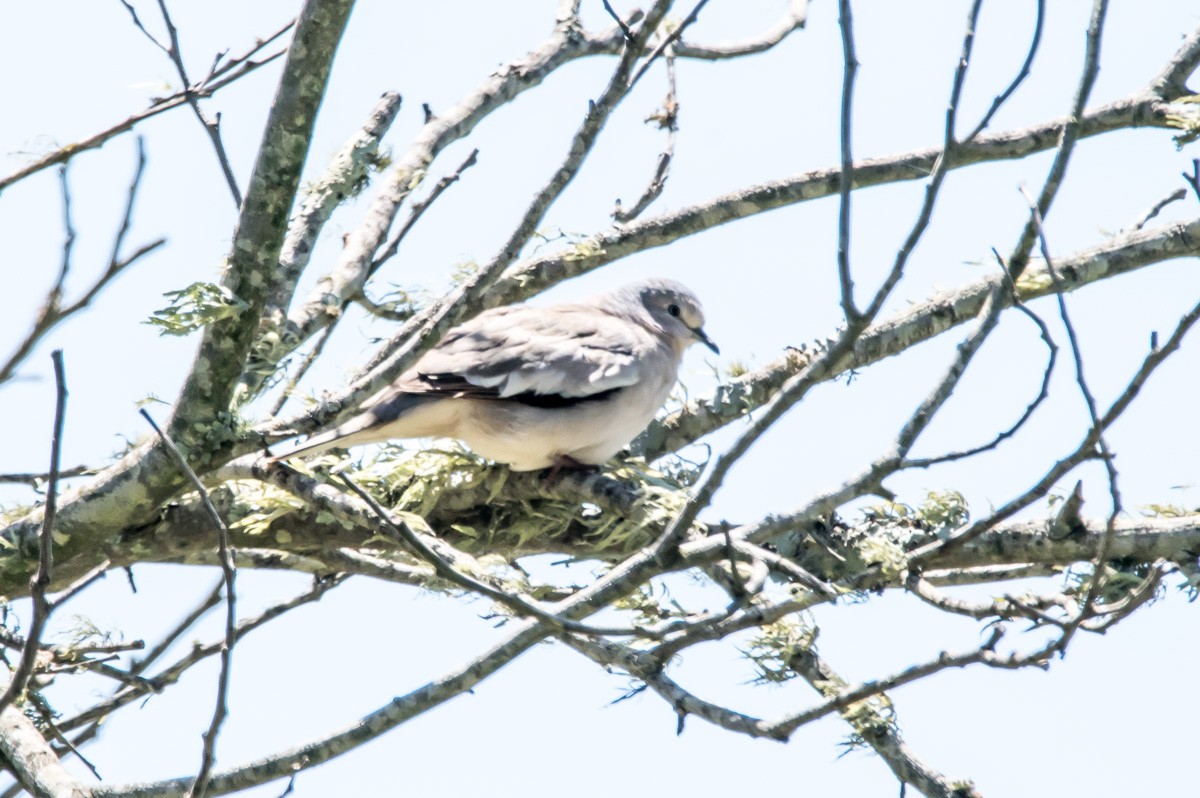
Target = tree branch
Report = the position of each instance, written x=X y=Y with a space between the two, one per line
x=32 y=760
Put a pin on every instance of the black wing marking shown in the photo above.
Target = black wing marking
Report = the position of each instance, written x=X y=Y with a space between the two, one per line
x=454 y=385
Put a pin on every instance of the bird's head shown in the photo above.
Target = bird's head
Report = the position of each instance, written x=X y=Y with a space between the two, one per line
x=674 y=309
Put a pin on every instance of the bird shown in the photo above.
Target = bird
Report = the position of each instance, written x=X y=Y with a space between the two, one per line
x=557 y=386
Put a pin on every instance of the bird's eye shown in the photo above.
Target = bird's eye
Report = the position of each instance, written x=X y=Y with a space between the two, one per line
x=673 y=310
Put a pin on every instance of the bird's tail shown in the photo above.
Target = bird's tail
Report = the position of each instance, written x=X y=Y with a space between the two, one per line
x=315 y=444
x=373 y=425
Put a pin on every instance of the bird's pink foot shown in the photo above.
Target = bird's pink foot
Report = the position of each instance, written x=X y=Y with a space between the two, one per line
x=565 y=462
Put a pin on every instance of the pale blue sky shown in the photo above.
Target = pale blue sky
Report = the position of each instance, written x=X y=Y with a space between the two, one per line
x=542 y=726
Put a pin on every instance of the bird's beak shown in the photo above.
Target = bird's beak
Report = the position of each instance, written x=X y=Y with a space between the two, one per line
x=703 y=338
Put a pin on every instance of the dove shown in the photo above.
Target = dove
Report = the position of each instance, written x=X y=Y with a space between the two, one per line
x=554 y=386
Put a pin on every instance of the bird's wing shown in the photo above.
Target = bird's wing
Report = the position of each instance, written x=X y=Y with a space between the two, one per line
x=568 y=351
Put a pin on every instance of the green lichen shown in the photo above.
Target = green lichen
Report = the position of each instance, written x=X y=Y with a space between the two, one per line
x=194 y=307
x=773 y=647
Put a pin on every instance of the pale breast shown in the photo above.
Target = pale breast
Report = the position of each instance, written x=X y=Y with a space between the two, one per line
x=532 y=438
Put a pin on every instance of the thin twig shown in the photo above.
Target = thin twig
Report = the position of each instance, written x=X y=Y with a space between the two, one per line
x=35 y=480
x=874 y=687
x=41 y=579
x=1022 y=73
x=418 y=209
x=309 y=358
x=137 y=22
x=667 y=118
x=874 y=722
x=620 y=22
x=667 y=41
x=116 y=263
x=228 y=573
x=1193 y=179
x=1153 y=210
x=50 y=311
x=210 y=84
x=846 y=175
x=244 y=66
x=1019 y=259
x=1030 y=409
x=46 y=721
x=211 y=600
x=1089 y=399
x=1017 y=264
x=648 y=670
x=53 y=312
x=796 y=17
x=211 y=127
x=79 y=585
x=173 y=672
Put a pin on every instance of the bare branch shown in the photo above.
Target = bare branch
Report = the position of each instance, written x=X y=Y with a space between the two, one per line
x=94 y=716
x=211 y=126
x=1153 y=211
x=1002 y=607
x=666 y=42
x=875 y=725
x=347 y=171
x=32 y=760
x=846 y=173
x=918 y=422
x=418 y=210
x=82 y=583
x=989 y=574
x=1085 y=450
x=1089 y=399
x=1171 y=82
x=234 y=70
x=620 y=22
x=648 y=670
x=53 y=311
x=860 y=692
x=41 y=580
x=667 y=118
x=1022 y=73
x=1030 y=409
x=36 y=480
x=1019 y=258
x=284 y=764
x=1193 y=179
x=51 y=306
x=793 y=20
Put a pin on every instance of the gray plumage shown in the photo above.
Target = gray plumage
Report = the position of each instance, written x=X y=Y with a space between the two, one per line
x=535 y=387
